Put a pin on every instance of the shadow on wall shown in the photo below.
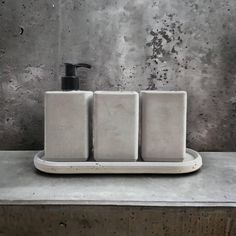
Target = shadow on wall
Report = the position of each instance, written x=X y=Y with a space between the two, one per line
x=214 y=128
x=227 y=94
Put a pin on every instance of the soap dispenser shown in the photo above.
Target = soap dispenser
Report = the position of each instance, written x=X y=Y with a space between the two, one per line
x=67 y=119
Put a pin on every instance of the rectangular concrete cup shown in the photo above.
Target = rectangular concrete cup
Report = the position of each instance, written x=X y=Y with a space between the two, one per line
x=163 y=129
x=67 y=125
x=115 y=126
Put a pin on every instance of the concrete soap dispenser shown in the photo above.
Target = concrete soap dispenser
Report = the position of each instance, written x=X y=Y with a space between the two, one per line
x=67 y=119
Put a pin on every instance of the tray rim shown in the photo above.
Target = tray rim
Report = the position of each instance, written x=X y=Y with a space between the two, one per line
x=138 y=167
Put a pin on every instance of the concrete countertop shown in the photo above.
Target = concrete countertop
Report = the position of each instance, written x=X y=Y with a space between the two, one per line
x=213 y=185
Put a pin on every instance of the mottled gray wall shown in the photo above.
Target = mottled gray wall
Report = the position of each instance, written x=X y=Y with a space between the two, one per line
x=133 y=45
x=28 y=66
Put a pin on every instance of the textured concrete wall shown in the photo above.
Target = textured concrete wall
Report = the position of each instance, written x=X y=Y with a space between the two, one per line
x=132 y=45
x=120 y=221
x=28 y=66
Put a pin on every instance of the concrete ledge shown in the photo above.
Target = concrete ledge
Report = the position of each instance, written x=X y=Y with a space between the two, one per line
x=213 y=185
x=33 y=203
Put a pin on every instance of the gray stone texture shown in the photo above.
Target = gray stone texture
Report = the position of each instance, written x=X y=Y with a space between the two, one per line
x=133 y=45
x=198 y=204
x=28 y=67
x=116 y=220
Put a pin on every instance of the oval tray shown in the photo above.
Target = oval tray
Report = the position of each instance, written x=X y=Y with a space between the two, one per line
x=191 y=163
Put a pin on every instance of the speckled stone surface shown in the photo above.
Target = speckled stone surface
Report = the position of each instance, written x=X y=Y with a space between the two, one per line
x=132 y=45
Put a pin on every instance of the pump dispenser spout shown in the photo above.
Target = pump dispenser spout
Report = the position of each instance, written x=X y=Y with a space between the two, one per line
x=71 y=81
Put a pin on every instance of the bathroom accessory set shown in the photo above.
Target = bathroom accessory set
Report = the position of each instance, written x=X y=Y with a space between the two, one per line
x=114 y=118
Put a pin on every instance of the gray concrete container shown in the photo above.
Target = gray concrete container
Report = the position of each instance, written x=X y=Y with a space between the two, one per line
x=116 y=122
x=163 y=125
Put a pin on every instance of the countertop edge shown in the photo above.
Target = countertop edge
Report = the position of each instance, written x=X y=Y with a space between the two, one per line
x=116 y=203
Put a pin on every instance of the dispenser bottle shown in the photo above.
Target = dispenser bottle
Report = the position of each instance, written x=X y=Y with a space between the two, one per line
x=67 y=119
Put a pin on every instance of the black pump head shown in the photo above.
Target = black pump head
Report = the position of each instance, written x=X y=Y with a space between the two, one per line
x=70 y=81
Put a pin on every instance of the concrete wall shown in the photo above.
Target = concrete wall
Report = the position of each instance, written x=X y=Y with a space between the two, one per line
x=133 y=45
x=28 y=67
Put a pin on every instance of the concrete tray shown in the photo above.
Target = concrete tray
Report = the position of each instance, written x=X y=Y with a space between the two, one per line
x=191 y=163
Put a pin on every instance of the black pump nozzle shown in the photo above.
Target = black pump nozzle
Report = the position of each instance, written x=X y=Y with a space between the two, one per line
x=70 y=81
x=83 y=65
